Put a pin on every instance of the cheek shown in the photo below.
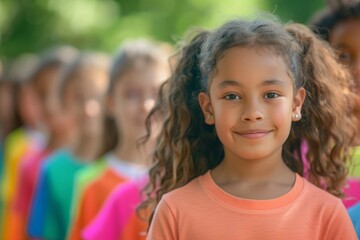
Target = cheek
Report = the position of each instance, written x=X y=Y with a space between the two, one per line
x=226 y=114
x=282 y=116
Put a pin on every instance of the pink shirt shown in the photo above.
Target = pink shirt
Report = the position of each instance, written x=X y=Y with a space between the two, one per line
x=117 y=213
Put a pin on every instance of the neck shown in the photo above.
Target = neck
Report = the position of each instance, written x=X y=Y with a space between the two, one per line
x=232 y=169
x=254 y=179
x=130 y=151
x=56 y=141
x=86 y=149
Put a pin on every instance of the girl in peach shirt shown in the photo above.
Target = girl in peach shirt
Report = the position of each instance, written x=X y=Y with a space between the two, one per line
x=240 y=101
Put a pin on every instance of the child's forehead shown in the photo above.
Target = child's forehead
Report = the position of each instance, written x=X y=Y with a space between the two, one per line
x=241 y=63
x=251 y=56
x=146 y=76
x=352 y=25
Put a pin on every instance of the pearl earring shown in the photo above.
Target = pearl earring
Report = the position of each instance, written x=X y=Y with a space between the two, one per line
x=297 y=115
x=208 y=117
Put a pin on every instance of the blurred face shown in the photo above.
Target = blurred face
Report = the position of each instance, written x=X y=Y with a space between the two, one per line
x=83 y=102
x=345 y=38
x=133 y=97
x=35 y=97
x=46 y=88
x=252 y=103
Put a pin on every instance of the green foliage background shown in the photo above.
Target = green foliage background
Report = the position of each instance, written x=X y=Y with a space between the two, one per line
x=34 y=25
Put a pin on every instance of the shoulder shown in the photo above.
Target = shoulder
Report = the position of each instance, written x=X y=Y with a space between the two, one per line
x=319 y=196
x=90 y=172
x=57 y=158
x=354 y=213
x=127 y=191
x=16 y=136
x=329 y=211
x=183 y=196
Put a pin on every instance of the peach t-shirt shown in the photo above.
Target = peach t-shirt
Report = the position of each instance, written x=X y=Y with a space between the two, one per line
x=202 y=210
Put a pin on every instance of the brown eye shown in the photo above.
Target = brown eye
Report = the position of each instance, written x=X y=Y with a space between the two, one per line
x=231 y=97
x=271 y=95
x=344 y=57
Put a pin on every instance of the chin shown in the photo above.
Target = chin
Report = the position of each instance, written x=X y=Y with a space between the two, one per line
x=253 y=155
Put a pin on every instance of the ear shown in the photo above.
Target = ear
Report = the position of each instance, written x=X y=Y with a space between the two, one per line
x=297 y=104
x=206 y=108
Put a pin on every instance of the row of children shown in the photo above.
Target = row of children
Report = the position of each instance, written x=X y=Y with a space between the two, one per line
x=82 y=118
x=223 y=157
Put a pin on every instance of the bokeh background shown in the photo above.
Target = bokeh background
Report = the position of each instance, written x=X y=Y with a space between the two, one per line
x=32 y=26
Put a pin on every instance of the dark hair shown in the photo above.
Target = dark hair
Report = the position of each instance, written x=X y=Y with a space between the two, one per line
x=187 y=147
x=325 y=20
x=82 y=62
x=15 y=74
x=133 y=56
x=53 y=58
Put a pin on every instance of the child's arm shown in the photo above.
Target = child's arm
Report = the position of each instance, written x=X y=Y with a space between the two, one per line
x=163 y=225
x=36 y=222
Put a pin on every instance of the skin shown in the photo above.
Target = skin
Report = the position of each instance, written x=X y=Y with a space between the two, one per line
x=34 y=97
x=252 y=104
x=82 y=105
x=6 y=109
x=345 y=38
x=53 y=117
x=133 y=97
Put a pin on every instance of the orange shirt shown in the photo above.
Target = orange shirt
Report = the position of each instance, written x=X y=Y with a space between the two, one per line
x=93 y=199
x=202 y=210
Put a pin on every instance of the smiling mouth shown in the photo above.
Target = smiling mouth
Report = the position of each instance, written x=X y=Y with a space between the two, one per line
x=253 y=134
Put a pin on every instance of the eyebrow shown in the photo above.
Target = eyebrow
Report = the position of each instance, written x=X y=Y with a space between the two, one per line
x=273 y=82
x=269 y=82
x=342 y=45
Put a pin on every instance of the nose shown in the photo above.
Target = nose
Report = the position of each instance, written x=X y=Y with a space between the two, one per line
x=252 y=112
x=149 y=104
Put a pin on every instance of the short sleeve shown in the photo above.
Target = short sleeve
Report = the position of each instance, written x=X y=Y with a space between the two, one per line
x=340 y=225
x=354 y=213
x=104 y=226
x=36 y=223
x=163 y=225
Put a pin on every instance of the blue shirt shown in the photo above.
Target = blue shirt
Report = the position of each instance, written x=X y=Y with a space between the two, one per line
x=354 y=213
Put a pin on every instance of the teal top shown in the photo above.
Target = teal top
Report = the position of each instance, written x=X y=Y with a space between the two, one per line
x=50 y=213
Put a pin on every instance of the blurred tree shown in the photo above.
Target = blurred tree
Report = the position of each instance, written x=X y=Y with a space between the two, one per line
x=31 y=26
x=299 y=11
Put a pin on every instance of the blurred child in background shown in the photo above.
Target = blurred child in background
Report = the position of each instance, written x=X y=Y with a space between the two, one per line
x=81 y=92
x=27 y=77
x=16 y=218
x=11 y=81
x=137 y=71
x=339 y=24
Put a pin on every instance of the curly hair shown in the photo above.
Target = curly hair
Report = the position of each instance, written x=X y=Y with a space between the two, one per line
x=187 y=147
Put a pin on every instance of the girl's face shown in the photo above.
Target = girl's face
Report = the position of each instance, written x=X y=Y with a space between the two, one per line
x=83 y=102
x=252 y=103
x=133 y=97
x=46 y=85
x=345 y=38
